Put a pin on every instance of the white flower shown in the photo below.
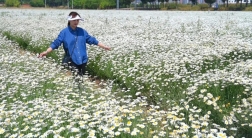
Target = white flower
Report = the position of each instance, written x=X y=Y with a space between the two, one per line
x=117 y=133
x=141 y=125
x=75 y=129
x=2 y=130
x=221 y=135
x=138 y=93
x=91 y=133
x=129 y=123
x=127 y=129
x=209 y=95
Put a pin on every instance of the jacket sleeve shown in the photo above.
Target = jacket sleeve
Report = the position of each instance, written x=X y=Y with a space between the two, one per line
x=90 y=39
x=58 y=41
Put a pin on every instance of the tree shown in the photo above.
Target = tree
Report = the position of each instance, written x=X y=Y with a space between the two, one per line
x=210 y=2
x=176 y=2
x=79 y=4
x=12 y=3
x=54 y=3
x=91 y=4
x=151 y=2
x=164 y=1
x=144 y=2
x=123 y=3
x=107 y=4
x=167 y=1
x=37 y=3
x=237 y=1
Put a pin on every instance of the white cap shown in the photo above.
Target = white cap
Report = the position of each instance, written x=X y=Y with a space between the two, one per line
x=77 y=17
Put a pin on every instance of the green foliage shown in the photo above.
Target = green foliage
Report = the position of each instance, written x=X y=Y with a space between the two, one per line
x=55 y=3
x=123 y=3
x=99 y=4
x=95 y=4
x=12 y=3
x=249 y=8
x=227 y=95
x=22 y=42
x=235 y=7
x=144 y=1
x=37 y=3
x=104 y=4
x=172 y=6
x=244 y=131
x=187 y=7
x=204 y=6
x=91 y=4
x=79 y=4
x=181 y=6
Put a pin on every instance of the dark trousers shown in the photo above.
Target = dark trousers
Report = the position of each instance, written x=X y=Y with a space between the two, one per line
x=68 y=63
x=81 y=69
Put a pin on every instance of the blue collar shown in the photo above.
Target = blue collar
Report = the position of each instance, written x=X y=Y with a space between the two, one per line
x=72 y=30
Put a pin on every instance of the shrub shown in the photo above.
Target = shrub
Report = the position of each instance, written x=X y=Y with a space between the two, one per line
x=235 y=7
x=249 y=8
x=204 y=7
x=231 y=7
x=12 y=3
x=106 y=4
x=37 y=3
x=172 y=6
x=188 y=7
x=89 y=4
x=195 y=8
x=183 y=7
x=79 y=4
x=222 y=8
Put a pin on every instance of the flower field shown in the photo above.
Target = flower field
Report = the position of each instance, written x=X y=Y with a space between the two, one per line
x=169 y=74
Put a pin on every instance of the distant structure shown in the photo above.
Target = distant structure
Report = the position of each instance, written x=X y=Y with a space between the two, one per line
x=218 y=1
x=243 y=1
x=188 y=1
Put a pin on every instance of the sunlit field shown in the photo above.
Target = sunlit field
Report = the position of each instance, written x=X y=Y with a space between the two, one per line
x=169 y=74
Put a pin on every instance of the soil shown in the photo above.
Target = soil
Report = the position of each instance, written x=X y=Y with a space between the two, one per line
x=26 y=6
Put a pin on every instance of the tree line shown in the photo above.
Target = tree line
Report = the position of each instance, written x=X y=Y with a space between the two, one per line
x=77 y=4
x=105 y=4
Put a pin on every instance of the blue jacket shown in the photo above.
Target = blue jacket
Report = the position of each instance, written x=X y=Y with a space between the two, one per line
x=74 y=43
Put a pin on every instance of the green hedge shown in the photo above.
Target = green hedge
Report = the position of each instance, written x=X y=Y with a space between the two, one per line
x=37 y=3
x=12 y=3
